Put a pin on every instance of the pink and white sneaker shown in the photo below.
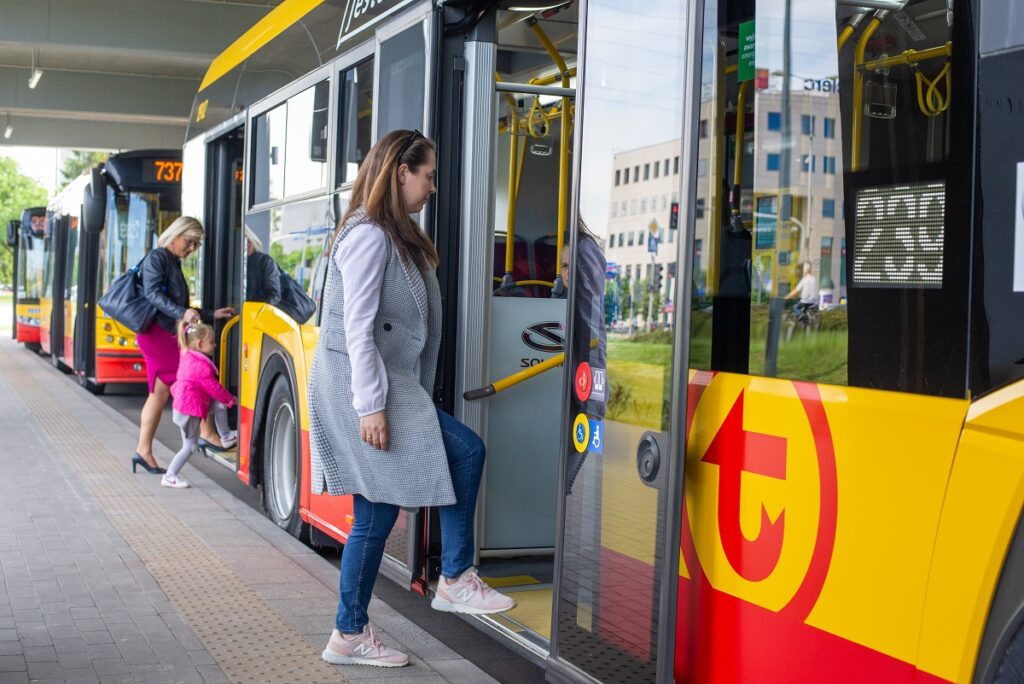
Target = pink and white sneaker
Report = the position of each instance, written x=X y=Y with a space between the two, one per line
x=174 y=481
x=362 y=649
x=469 y=594
x=230 y=441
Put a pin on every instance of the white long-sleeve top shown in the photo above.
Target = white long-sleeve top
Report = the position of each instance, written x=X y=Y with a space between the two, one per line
x=361 y=258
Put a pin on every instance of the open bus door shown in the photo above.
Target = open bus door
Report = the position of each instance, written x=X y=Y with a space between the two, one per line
x=625 y=391
x=13 y=238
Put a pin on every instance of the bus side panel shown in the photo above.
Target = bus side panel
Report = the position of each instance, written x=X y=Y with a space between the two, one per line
x=28 y=323
x=809 y=527
x=982 y=507
x=45 y=318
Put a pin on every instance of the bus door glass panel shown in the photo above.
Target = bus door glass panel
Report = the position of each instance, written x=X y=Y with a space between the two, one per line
x=401 y=90
x=611 y=557
x=270 y=133
x=306 y=140
x=829 y=257
x=401 y=94
x=71 y=267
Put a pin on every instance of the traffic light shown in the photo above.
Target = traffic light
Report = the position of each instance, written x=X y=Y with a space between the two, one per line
x=673 y=217
x=672 y=270
x=658 y=268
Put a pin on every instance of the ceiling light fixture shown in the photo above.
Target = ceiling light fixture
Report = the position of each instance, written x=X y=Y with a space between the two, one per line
x=9 y=129
x=33 y=79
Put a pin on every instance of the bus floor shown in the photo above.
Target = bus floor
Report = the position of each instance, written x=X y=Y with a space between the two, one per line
x=529 y=581
x=107 y=575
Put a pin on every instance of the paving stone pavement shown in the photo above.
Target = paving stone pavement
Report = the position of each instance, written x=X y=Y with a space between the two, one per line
x=108 y=577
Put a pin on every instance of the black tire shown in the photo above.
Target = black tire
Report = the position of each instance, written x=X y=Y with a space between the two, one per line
x=1011 y=667
x=282 y=458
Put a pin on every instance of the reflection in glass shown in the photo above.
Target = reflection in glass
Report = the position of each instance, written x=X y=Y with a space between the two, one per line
x=607 y=615
x=355 y=119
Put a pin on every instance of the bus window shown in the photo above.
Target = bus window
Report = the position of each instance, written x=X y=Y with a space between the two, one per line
x=820 y=143
x=402 y=81
x=355 y=119
x=268 y=174
x=306 y=142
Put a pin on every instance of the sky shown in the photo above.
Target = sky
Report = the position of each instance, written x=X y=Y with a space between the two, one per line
x=40 y=163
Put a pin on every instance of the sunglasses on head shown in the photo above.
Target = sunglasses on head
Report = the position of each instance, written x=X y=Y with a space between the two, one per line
x=408 y=143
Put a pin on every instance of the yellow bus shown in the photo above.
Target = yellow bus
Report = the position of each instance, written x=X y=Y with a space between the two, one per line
x=28 y=240
x=710 y=501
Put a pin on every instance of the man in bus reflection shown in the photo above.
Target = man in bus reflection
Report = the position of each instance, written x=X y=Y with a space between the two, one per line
x=807 y=290
x=262 y=278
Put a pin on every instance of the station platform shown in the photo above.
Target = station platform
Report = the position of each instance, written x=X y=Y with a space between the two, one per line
x=106 y=576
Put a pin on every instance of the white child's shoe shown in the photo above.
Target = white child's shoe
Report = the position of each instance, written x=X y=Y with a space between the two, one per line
x=174 y=481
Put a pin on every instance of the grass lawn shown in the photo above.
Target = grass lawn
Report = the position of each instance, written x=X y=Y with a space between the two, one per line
x=639 y=380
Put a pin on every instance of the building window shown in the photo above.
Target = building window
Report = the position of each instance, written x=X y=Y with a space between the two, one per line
x=657 y=167
x=632 y=207
x=636 y=173
x=643 y=205
x=830 y=128
x=618 y=175
x=675 y=166
x=808 y=163
x=774 y=121
x=829 y=165
x=828 y=208
x=773 y=162
x=702 y=168
x=631 y=239
x=664 y=202
x=622 y=208
x=615 y=209
x=647 y=172
x=665 y=172
x=699 y=208
x=703 y=128
x=807 y=124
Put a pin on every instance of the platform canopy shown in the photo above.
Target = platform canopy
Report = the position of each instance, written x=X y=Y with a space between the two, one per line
x=110 y=74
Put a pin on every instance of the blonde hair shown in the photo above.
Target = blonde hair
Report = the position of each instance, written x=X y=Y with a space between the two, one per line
x=183 y=225
x=377 y=192
x=254 y=239
x=191 y=334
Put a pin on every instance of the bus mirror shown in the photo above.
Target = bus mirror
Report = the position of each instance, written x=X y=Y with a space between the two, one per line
x=94 y=205
x=13 y=227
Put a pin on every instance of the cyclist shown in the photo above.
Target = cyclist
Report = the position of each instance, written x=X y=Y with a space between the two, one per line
x=807 y=290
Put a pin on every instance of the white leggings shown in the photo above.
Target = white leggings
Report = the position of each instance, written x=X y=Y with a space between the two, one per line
x=189 y=426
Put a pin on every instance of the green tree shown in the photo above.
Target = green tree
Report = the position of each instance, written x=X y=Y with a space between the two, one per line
x=79 y=162
x=17 y=193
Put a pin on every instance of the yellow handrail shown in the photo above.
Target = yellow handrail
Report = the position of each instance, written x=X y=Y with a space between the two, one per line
x=563 y=147
x=526 y=283
x=932 y=103
x=741 y=131
x=521 y=376
x=858 y=92
x=223 y=352
x=908 y=57
x=513 y=165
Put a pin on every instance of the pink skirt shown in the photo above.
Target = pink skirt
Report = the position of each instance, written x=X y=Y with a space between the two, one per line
x=160 y=349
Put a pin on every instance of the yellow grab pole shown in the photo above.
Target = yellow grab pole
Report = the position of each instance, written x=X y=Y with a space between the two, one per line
x=741 y=130
x=563 y=147
x=516 y=378
x=223 y=358
x=850 y=28
x=513 y=185
x=858 y=92
x=909 y=57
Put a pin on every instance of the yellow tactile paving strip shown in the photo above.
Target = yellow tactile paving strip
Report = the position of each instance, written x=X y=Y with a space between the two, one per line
x=247 y=638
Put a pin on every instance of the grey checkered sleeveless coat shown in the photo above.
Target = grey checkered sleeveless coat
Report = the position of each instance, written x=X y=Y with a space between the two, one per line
x=413 y=471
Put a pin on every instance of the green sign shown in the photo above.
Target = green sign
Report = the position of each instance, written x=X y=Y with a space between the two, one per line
x=746 y=59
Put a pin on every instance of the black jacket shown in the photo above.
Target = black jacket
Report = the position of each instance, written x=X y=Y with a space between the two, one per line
x=165 y=287
x=262 y=279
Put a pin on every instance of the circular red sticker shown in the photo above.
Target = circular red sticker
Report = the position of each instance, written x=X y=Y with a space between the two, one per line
x=584 y=381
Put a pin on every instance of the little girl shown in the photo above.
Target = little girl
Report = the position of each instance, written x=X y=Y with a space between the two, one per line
x=194 y=390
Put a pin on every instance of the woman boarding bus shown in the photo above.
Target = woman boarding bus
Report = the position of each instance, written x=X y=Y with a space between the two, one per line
x=840 y=506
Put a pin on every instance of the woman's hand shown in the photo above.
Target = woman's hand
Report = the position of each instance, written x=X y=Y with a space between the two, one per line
x=226 y=312
x=190 y=316
x=373 y=429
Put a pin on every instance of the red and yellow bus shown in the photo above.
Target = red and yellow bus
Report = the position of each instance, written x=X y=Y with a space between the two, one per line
x=128 y=201
x=710 y=499
x=29 y=244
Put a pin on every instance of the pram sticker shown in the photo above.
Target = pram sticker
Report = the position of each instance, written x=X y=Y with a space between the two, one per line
x=599 y=382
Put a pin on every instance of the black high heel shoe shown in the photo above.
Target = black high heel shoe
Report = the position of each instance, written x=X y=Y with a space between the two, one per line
x=139 y=461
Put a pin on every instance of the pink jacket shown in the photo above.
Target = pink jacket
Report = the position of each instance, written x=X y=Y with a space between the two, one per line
x=197 y=385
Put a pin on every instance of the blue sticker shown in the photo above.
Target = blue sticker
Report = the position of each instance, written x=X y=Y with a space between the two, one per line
x=596 y=436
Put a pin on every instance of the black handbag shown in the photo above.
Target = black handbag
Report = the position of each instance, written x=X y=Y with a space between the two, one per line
x=125 y=302
x=294 y=301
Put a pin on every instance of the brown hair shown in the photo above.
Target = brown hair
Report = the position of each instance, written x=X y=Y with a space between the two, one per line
x=193 y=333
x=378 y=193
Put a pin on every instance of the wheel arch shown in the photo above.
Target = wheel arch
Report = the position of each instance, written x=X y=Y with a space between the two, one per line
x=1006 y=614
x=274 y=361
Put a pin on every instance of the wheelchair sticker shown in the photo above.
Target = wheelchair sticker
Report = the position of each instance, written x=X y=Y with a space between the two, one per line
x=581 y=433
x=596 y=437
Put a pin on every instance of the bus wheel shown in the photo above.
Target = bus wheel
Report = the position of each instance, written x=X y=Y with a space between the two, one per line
x=282 y=466
x=1011 y=668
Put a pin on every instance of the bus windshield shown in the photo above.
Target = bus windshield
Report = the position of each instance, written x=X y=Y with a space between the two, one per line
x=32 y=255
x=134 y=222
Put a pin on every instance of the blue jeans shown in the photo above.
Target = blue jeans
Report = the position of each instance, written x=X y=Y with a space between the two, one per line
x=364 y=550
